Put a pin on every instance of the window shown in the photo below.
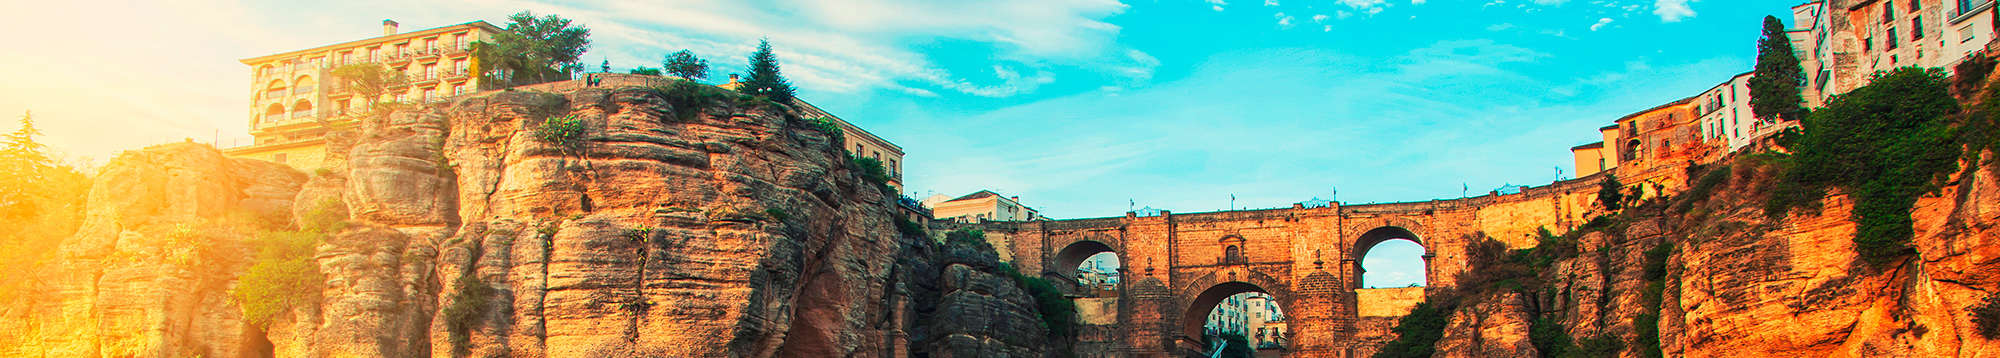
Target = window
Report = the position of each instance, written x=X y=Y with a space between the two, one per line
x=374 y=53
x=1600 y=164
x=458 y=90
x=1916 y=5
x=1891 y=40
x=1917 y=27
x=1868 y=44
x=431 y=44
x=459 y=65
x=402 y=97
x=459 y=41
x=430 y=71
x=1888 y=12
x=429 y=94
x=402 y=49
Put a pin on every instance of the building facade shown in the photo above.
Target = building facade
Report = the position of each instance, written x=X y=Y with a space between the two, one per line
x=984 y=205
x=1850 y=40
x=295 y=100
x=1726 y=117
x=860 y=143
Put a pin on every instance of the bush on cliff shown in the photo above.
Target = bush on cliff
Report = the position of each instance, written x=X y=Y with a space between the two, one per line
x=1418 y=332
x=1885 y=144
x=563 y=132
x=468 y=303
x=873 y=172
x=283 y=277
x=1987 y=316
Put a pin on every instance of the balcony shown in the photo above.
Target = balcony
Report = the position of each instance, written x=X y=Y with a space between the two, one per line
x=304 y=90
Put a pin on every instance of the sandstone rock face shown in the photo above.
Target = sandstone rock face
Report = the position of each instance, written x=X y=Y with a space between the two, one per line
x=1738 y=284
x=149 y=271
x=972 y=309
x=1492 y=327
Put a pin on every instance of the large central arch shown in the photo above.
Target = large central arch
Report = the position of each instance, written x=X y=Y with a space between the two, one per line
x=1368 y=240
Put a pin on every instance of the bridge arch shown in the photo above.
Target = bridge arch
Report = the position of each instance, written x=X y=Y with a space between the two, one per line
x=1374 y=237
x=1200 y=297
x=1065 y=264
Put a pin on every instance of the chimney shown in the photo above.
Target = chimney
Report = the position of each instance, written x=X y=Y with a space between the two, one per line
x=388 y=27
x=1016 y=199
x=732 y=78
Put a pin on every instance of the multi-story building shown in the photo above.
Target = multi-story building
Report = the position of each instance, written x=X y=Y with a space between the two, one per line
x=1726 y=117
x=1593 y=158
x=1852 y=39
x=295 y=101
x=981 y=205
x=1255 y=316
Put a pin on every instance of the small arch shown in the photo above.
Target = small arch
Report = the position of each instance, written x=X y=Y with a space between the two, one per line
x=274 y=112
x=1379 y=235
x=304 y=84
x=1232 y=250
x=1066 y=264
x=275 y=89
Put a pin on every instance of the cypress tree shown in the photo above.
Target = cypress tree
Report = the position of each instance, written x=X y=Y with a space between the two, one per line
x=764 y=78
x=1774 y=89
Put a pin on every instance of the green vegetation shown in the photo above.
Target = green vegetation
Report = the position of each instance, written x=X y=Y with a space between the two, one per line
x=41 y=200
x=1549 y=337
x=690 y=98
x=1774 y=91
x=909 y=228
x=643 y=70
x=368 y=80
x=1417 y=333
x=1711 y=179
x=1986 y=316
x=1647 y=324
x=777 y=214
x=639 y=234
x=1058 y=312
x=764 y=80
x=1885 y=144
x=686 y=65
x=284 y=275
x=1971 y=73
x=565 y=133
x=873 y=172
x=1609 y=193
x=832 y=129
x=533 y=50
x=469 y=303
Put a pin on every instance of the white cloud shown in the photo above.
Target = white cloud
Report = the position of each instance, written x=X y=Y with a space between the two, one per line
x=1327 y=28
x=1416 y=2
x=1218 y=8
x=1673 y=10
x=1550 y=2
x=1504 y=26
x=1319 y=18
x=1600 y=23
x=1217 y=4
x=1284 y=21
x=1270 y=2
x=1368 y=6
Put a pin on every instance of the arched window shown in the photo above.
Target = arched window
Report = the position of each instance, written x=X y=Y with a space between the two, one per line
x=302 y=109
x=1233 y=254
x=303 y=85
x=274 y=90
x=274 y=113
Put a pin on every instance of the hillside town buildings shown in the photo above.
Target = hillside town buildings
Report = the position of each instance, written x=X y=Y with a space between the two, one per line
x=983 y=205
x=1839 y=43
x=1255 y=316
x=295 y=100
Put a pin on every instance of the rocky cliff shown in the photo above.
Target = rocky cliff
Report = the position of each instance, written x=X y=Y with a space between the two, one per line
x=724 y=226
x=1723 y=279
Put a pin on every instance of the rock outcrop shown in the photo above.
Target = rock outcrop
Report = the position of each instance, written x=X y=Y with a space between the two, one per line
x=726 y=227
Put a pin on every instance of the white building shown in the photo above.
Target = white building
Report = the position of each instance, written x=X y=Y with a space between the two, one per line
x=983 y=205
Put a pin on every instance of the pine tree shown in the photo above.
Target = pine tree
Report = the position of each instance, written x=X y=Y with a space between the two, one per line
x=686 y=65
x=764 y=78
x=1774 y=89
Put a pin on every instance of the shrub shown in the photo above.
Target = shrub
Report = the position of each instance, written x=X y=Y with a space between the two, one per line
x=968 y=236
x=1418 y=332
x=690 y=98
x=777 y=214
x=1710 y=180
x=283 y=276
x=828 y=125
x=1549 y=337
x=564 y=132
x=1987 y=317
x=1609 y=194
x=1885 y=143
x=873 y=172
x=1603 y=345
x=909 y=228
x=1972 y=72
x=1238 y=346
x=468 y=304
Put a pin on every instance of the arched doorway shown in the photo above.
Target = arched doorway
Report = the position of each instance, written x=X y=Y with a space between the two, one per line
x=1238 y=309
x=1090 y=266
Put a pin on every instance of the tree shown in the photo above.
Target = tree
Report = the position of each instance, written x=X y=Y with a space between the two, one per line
x=370 y=80
x=686 y=65
x=1774 y=89
x=533 y=50
x=1238 y=347
x=643 y=70
x=41 y=200
x=1608 y=193
x=1884 y=144
x=764 y=77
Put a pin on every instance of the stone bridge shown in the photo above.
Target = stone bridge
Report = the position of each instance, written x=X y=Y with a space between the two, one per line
x=1177 y=267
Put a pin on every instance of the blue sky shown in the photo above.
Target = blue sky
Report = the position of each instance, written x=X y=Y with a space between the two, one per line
x=1078 y=106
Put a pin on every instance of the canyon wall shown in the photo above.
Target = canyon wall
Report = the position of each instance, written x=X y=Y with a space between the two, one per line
x=727 y=227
